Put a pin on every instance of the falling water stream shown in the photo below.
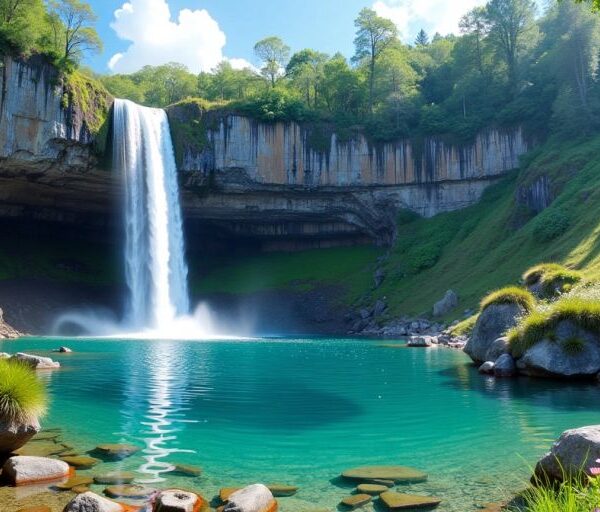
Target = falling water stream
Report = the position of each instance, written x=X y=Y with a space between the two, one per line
x=156 y=270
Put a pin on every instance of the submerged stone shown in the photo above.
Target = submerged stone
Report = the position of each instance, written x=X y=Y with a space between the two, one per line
x=45 y=435
x=398 y=474
x=42 y=449
x=356 y=500
x=116 y=450
x=282 y=490
x=186 y=470
x=114 y=478
x=80 y=462
x=372 y=489
x=132 y=492
x=73 y=482
x=399 y=501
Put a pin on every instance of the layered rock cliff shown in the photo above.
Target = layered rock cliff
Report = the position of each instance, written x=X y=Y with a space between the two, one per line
x=283 y=184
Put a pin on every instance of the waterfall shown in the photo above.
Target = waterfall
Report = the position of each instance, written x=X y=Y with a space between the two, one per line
x=155 y=266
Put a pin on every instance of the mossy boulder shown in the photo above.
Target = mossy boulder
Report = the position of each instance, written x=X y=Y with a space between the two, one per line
x=550 y=279
x=493 y=322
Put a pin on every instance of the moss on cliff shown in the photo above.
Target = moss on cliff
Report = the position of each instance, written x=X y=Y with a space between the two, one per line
x=88 y=98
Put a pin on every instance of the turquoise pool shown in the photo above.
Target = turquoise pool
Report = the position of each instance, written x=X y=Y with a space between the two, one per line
x=299 y=411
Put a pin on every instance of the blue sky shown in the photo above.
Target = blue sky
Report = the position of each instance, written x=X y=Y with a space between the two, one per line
x=200 y=33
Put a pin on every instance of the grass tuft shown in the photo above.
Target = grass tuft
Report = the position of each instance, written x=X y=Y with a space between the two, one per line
x=23 y=396
x=540 y=324
x=464 y=328
x=509 y=295
x=552 y=277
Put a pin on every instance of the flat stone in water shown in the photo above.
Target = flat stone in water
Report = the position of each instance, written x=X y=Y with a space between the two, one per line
x=74 y=481
x=398 y=474
x=114 y=478
x=398 y=501
x=80 y=462
x=80 y=489
x=132 y=492
x=186 y=470
x=45 y=436
x=356 y=500
x=282 y=490
x=372 y=489
x=117 y=450
x=42 y=449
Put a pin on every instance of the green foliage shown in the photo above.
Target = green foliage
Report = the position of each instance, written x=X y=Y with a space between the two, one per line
x=23 y=396
x=573 y=346
x=550 y=224
x=274 y=54
x=552 y=277
x=274 y=105
x=539 y=323
x=578 y=493
x=509 y=295
x=464 y=328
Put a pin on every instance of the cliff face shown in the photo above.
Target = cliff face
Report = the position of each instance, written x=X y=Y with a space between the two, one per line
x=283 y=184
x=289 y=154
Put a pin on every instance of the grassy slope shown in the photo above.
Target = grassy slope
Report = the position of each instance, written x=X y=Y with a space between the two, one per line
x=472 y=251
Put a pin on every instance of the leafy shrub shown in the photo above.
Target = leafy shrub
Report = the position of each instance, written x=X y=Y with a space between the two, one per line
x=540 y=323
x=22 y=395
x=550 y=224
x=509 y=295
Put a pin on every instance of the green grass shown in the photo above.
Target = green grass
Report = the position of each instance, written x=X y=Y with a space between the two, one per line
x=348 y=267
x=552 y=277
x=509 y=295
x=23 y=396
x=464 y=328
x=542 y=322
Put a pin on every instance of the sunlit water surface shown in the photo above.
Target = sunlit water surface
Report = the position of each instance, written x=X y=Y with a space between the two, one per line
x=299 y=411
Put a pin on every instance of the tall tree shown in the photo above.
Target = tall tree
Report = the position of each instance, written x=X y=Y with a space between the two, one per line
x=21 y=24
x=273 y=54
x=306 y=71
x=475 y=23
x=73 y=25
x=373 y=35
x=422 y=38
x=510 y=21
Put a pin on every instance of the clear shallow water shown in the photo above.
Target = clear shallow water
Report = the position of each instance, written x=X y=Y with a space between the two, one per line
x=300 y=411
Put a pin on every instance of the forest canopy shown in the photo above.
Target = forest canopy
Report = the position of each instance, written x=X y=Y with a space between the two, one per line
x=514 y=62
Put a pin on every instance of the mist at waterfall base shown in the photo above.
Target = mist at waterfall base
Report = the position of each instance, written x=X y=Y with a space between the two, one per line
x=156 y=272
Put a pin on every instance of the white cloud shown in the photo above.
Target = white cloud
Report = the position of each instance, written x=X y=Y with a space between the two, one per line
x=194 y=38
x=241 y=64
x=432 y=15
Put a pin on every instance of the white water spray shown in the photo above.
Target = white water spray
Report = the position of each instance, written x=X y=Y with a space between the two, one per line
x=155 y=266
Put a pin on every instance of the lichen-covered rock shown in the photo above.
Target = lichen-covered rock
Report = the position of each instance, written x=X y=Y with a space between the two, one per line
x=91 y=502
x=573 y=352
x=498 y=347
x=575 y=450
x=493 y=322
x=24 y=470
x=446 y=304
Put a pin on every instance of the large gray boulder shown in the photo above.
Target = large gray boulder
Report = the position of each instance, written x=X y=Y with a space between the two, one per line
x=572 y=353
x=446 y=304
x=493 y=322
x=91 y=502
x=23 y=470
x=254 y=498
x=36 y=362
x=14 y=435
x=505 y=366
x=575 y=451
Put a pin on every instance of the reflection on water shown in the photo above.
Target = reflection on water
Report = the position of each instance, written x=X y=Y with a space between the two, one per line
x=301 y=411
